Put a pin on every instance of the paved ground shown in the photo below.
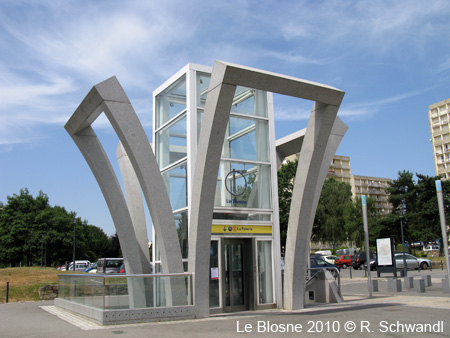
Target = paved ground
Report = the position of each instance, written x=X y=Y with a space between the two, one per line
x=384 y=315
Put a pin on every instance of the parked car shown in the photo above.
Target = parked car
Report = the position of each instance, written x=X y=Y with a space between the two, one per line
x=79 y=265
x=320 y=263
x=373 y=264
x=411 y=262
x=359 y=259
x=92 y=266
x=329 y=259
x=109 y=265
x=343 y=261
x=122 y=269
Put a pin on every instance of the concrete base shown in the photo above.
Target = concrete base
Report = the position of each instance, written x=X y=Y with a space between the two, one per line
x=408 y=282
x=394 y=285
x=322 y=289
x=374 y=285
x=427 y=279
x=127 y=316
x=445 y=285
x=419 y=285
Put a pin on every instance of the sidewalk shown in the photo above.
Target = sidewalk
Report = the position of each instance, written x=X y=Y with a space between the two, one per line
x=385 y=314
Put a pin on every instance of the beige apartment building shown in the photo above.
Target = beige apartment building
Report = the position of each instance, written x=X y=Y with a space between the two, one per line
x=438 y=117
x=374 y=187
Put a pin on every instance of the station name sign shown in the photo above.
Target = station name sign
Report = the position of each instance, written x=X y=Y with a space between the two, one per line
x=241 y=229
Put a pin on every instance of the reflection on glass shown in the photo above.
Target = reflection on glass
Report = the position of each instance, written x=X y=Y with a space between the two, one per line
x=250 y=102
x=171 y=102
x=202 y=88
x=238 y=273
x=214 y=275
x=171 y=142
x=265 y=272
x=241 y=217
x=181 y=221
x=243 y=185
x=175 y=180
x=247 y=139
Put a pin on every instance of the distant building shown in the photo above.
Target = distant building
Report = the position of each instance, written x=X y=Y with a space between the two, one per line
x=374 y=187
x=438 y=117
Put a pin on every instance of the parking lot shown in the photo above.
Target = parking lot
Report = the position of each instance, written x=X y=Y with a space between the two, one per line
x=393 y=314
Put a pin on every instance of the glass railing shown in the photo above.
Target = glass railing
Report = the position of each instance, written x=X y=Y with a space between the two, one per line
x=113 y=292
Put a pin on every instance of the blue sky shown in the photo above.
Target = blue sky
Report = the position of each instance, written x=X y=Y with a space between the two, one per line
x=392 y=58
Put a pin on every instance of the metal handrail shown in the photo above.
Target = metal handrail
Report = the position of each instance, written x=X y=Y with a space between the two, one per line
x=331 y=268
x=115 y=275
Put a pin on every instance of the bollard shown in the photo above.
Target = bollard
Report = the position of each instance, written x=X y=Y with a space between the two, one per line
x=419 y=285
x=408 y=282
x=375 y=285
x=445 y=285
x=7 y=291
x=442 y=267
x=394 y=285
x=350 y=273
x=427 y=280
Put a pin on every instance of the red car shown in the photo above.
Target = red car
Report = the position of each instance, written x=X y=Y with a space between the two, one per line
x=343 y=261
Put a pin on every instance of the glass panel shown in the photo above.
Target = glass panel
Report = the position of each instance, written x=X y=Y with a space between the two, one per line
x=171 y=142
x=181 y=221
x=202 y=88
x=226 y=273
x=238 y=274
x=214 y=275
x=199 y=122
x=250 y=102
x=247 y=139
x=265 y=272
x=171 y=102
x=241 y=217
x=176 y=185
x=243 y=185
x=121 y=292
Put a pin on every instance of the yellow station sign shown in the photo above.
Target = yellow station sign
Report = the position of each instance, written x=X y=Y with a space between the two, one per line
x=241 y=229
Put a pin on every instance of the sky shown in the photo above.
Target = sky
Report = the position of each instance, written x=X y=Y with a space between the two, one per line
x=391 y=58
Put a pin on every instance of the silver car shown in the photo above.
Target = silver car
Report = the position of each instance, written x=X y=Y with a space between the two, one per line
x=411 y=262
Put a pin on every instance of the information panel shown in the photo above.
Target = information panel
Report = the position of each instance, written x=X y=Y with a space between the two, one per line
x=384 y=251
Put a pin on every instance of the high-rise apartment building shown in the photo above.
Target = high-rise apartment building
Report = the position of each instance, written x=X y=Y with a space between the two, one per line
x=438 y=117
x=374 y=187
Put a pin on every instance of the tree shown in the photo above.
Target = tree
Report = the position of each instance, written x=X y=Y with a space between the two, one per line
x=421 y=221
x=330 y=220
x=29 y=224
x=286 y=176
x=353 y=219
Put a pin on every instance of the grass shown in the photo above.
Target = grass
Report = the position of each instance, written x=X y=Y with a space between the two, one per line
x=24 y=283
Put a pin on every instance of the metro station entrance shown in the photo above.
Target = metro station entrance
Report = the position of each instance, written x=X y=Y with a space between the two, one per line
x=237 y=279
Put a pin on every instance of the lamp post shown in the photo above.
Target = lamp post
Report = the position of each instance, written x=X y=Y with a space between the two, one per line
x=73 y=257
x=401 y=213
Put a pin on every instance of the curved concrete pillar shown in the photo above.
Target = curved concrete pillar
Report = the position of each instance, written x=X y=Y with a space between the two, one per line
x=323 y=135
x=92 y=150
x=225 y=77
x=133 y=196
x=109 y=97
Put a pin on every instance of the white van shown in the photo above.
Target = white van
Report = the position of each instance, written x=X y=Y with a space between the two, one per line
x=79 y=265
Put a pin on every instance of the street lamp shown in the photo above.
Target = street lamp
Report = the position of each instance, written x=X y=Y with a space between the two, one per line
x=401 y=210
x=73 y=257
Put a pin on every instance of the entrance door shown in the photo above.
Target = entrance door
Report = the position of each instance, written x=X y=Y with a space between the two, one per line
x=236 y=261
